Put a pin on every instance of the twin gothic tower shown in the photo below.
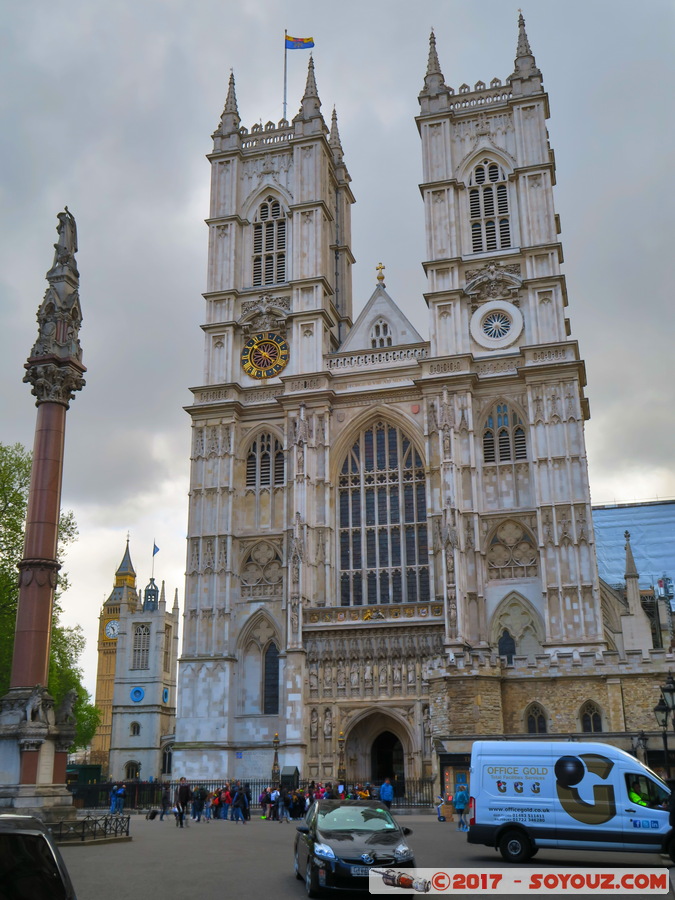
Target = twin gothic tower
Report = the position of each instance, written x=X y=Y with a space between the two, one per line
x=382 y=528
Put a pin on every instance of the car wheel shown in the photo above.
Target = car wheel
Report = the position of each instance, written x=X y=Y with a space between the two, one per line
x=296 y=865
x=515 y=846
x=310 y=884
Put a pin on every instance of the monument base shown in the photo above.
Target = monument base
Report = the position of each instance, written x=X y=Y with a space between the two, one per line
x=49 y=802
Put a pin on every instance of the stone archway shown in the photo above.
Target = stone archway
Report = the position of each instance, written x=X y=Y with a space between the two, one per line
x=379 y=746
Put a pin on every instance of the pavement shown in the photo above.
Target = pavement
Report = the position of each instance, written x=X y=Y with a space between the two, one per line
x=219 y=860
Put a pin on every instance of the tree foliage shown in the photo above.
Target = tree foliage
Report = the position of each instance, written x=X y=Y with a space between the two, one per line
x=67 y=643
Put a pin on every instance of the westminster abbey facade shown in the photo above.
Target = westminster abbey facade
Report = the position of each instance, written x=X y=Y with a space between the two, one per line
x=390 y=542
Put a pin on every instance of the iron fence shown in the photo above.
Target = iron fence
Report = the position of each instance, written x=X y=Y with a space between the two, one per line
x=142 y=795
x=90 y=828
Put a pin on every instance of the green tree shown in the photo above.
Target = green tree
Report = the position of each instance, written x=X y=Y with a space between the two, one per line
x=67 y=643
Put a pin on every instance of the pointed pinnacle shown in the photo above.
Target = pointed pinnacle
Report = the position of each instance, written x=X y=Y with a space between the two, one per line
x=334 y=138
x=310 y=88
x=433 y=65
x=523 y=43
x=231 y=101
x=631 y=570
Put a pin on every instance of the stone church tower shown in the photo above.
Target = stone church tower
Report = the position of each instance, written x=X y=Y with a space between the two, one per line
x=386 y=533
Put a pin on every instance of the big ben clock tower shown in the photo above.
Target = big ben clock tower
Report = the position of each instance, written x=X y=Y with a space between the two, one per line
x=124 y=595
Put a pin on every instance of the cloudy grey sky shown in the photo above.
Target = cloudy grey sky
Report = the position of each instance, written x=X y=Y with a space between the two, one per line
x=109 y=107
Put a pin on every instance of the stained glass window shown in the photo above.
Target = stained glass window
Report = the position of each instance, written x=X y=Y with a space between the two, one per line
x=384 y=550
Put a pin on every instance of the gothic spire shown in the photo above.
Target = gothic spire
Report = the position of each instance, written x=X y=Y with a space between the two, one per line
x=229 y=121
x=631 y=570
x=526 y=78
x=334 y=138
x=433 y=80
x=310 y=105
x=523 y=43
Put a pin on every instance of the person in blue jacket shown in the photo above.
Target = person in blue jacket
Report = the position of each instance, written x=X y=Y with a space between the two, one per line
x=387 y=793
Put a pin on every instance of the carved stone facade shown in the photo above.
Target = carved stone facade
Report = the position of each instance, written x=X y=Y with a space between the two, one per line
x=384 y=537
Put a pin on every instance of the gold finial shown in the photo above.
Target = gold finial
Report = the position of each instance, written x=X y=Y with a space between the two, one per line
x=380 y=270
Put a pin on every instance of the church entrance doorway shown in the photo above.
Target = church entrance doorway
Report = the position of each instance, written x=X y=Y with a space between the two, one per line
x=379 y=746
x=386 y=758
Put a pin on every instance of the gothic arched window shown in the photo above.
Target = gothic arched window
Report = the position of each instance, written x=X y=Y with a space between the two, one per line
x=380 y=335
x=141 y=647
x=271 y=680
x=167 y=759
x=265 y=464
x=489 y=207
x=382 y=520
x=132 y=771
x=269 y=243
x=504 y=436
x=535 y=719
x=507 y=646
x=591 y=719
x=135 y=729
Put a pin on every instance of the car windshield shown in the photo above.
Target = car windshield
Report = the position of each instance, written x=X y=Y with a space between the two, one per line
x=355 y=818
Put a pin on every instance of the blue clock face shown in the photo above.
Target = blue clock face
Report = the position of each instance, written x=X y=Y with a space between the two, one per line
x=137 y=694
x=165 y=695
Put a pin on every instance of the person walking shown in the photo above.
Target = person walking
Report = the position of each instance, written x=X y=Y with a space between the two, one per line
x=461 y=802
x=182 y=799
x=387 y=792
x=166 y=801
x=113 y=799
x=239 y=805
x=120 y=797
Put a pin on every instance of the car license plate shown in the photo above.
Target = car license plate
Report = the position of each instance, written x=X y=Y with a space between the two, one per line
x=360 y=871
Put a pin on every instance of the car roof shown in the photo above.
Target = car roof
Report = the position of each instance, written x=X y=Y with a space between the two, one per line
x=14 y=822
x=333 y=804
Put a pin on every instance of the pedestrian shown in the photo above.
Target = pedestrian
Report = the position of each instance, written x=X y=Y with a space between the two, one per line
x=198 y=800
x=283 y=806
x=182 y=799
x=239 y=805
x=166 y=800
x=120 y=798
x=113 y=800
x=461 y=802
x=387 y=792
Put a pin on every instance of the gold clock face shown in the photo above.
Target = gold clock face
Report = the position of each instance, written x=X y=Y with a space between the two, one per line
x=265 y=355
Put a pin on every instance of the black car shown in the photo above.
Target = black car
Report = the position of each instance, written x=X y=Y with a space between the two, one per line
x=30 y=863
x=342 y=840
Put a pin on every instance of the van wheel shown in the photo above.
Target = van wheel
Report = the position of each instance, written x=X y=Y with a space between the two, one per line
x=515 y=846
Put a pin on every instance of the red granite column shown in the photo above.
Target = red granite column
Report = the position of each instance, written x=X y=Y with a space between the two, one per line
x=30 y=664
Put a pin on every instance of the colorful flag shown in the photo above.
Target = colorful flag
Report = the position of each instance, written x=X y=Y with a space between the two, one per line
x=293 y=43
x=155 y=548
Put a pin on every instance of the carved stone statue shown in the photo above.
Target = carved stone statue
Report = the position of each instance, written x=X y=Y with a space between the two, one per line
x=397 y=671
x=33 y=709
x=341 y=674
x=313 y=678
x=354 y=674
x=327 y=724
x=65 y=714
x=66 y=246
x=368 y=672
x=314 y=725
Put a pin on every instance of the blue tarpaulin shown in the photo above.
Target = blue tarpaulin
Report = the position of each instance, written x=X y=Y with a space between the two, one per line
x=652 y=538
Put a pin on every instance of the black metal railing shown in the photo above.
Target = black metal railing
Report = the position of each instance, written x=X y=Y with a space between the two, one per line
x=413 y=792
x=90 y=828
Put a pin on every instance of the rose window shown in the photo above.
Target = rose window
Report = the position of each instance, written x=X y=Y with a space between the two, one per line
x=496 y=325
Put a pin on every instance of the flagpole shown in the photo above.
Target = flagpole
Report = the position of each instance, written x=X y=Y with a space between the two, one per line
x=285 y=69
x=153 y=558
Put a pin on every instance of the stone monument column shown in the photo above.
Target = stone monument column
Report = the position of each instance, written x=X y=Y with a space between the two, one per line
x=34 y=738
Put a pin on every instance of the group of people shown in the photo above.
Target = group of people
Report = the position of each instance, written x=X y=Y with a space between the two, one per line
x=232 y=802
x=118 y=793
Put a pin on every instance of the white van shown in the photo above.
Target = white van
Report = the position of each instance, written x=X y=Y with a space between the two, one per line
x=565 y=794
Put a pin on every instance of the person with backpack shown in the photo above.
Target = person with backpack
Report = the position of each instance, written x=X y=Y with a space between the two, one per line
x=461 y=802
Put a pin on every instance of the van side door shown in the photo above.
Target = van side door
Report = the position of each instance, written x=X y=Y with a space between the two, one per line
x=644 y=806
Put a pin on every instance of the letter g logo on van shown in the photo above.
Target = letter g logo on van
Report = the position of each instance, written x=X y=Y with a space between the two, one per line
x=570 y=771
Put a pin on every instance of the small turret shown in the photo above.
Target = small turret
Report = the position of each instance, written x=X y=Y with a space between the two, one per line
x=526 y=78
x=334 y=139
x=434 y=82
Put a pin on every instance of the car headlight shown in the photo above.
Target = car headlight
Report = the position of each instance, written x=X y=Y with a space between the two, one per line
x=324 y=851
x=403 y=851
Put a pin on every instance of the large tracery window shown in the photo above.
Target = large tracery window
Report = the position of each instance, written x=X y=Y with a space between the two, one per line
x=383 y=520
x=535 y=719
x=503 y=436
x=265 y=464
x=271 y=680
x=141 y=648
x=269 y=243
x=489 y=208
x=591 y=718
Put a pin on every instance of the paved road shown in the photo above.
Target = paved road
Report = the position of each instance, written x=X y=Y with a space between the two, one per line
x=223 y=860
